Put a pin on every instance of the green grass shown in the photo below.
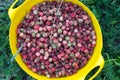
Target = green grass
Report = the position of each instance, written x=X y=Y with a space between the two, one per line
x=108 y=14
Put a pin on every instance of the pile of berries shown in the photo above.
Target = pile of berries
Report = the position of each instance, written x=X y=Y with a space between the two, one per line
x=56 y=42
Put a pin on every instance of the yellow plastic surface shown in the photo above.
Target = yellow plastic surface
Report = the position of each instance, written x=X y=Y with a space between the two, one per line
x=16 y=15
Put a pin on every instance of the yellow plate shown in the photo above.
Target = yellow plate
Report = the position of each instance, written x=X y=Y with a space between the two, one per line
x=16 y=15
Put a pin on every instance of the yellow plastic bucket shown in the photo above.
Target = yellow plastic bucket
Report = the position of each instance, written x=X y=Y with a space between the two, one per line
x=16 y=15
